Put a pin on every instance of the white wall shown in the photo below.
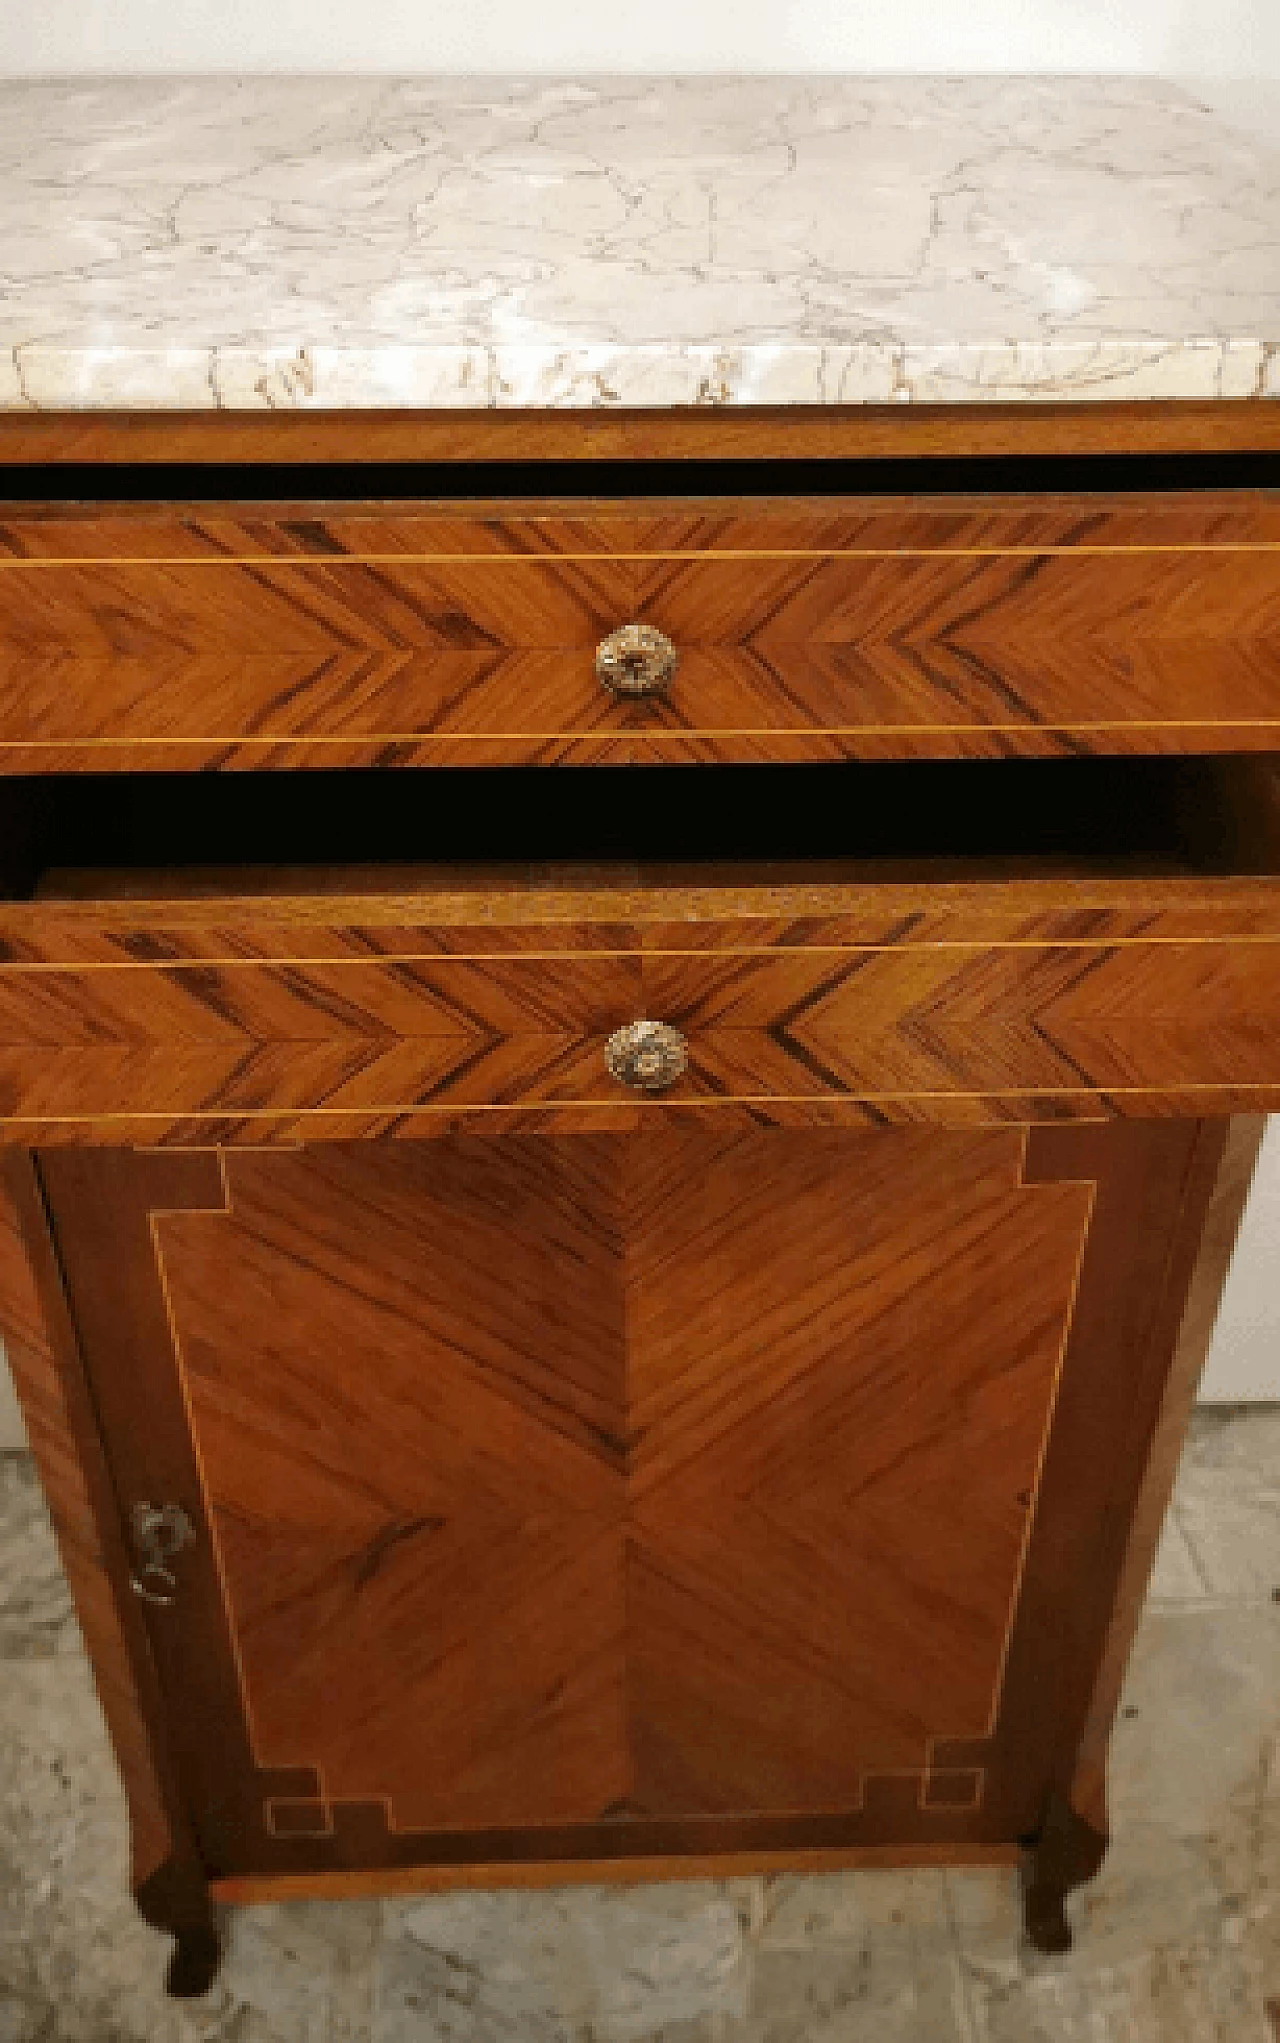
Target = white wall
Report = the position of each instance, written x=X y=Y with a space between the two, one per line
x=1244 y=1362
x=11 y=1433
x=1230 y=38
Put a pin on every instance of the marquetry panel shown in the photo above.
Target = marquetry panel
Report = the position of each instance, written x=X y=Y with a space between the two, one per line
x=250 y=1020
x=611 y=1496
x=239 y=636
x=619 y=1468
x=842 y=1356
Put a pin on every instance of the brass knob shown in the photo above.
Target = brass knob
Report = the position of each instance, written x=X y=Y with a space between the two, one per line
x=636 y=660
x=647 y=1055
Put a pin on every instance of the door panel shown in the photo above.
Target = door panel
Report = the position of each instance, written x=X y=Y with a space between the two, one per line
x=627 y=1493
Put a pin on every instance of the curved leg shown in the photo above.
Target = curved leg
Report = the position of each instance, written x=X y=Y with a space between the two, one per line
x=1067 y=1852
x=194 y=1965
x=175 y=1898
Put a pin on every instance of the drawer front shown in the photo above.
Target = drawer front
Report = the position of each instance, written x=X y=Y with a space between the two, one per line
x=171 y=638
x=240 y=1021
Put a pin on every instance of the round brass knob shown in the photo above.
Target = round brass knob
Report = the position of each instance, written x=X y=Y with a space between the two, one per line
x=647 y=1055
x=636 y=660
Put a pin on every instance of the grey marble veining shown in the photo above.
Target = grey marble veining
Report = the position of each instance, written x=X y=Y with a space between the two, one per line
x=36 y=1620
x=1228 y=1502
x=474 y=243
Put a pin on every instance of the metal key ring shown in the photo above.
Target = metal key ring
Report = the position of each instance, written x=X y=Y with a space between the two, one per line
x=155 y=1571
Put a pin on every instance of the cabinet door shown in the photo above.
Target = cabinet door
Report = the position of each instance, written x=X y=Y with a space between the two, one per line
x=582 y=1497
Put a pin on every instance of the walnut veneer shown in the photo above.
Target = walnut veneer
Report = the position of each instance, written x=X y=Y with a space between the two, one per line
x=762 y=1471
x=310 y=635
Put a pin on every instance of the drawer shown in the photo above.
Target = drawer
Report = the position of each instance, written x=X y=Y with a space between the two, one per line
x=303 y=634
x=1137 y=974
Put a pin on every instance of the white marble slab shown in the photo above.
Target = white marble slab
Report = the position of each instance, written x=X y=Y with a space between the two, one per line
x=473 y=243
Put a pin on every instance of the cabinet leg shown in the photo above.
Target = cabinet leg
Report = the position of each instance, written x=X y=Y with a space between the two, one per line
x=1067 y=1853
x=175 y=1898
x=194 y=1964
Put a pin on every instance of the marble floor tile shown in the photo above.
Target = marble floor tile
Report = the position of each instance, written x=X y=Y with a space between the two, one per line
x=661 y=1957
x=890 y=1907
x=1175 y=1577
x=857 y=1955
x=299 y=1974
x=75 y=1959
x=1165 y=1946
x=1193 y=1748
x=480 y=1966
x=1228 y=1499
x=35 y=1606
x=77 y=1963
x=860 y=1993
x=1177 y=1939
x=621 y=1963
x=1157 y=1997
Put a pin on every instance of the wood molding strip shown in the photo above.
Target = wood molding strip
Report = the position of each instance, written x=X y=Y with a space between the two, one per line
x=247 y=1890
x=781 y=433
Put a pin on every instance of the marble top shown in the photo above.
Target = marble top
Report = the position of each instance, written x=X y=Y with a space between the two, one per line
x=314 y=242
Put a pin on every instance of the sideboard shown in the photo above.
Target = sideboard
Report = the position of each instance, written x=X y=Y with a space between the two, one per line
x=633 y=1015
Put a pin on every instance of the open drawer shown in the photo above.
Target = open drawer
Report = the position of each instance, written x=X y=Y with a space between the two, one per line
x=306 y=633
x=240 y=959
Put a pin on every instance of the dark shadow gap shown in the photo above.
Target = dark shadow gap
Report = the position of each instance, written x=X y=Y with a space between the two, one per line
x=727 y=825
x=191 y=484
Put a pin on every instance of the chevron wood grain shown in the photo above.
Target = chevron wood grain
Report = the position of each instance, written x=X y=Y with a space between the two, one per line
x=244 y=1020
x=365 y=634
x=615 y=1495
x=797 y=1620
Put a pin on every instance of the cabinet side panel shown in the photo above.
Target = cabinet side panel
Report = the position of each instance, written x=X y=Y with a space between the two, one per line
x=64 y=1443
x=1217 y=1240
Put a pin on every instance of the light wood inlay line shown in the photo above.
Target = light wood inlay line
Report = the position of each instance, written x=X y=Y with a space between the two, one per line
x=198 y=963
x=633 y=1104
x=912 y=1774
x=328 y=561
x=640 y=732
x=1086 y=1229
x=960 y=1808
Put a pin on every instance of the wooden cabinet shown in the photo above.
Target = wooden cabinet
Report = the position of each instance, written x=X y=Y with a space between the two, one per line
x=472 y=1465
